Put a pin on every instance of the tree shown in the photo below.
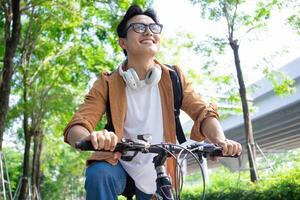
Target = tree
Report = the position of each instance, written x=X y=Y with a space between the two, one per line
x=12 y=32
x=43 y=75
x=238 y=20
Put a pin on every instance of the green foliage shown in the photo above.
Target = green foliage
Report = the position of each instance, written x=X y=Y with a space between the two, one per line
x=282 y=83
x=62 y=170
x=14 y=165
x=230 y=9
x=283 y=182
x=212 y=45
x=172 y=48
x=122 y=198
x=285 y=186
x=294 y=18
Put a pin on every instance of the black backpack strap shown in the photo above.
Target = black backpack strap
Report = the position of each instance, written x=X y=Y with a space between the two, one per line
x=109 y=125
x=178 y=95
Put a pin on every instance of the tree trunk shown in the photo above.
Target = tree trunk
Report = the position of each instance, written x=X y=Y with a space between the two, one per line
x=26 y=51
x=247 y=120
x=12 y=35
x=37 y=150
x=26 y=169
x=27 y=136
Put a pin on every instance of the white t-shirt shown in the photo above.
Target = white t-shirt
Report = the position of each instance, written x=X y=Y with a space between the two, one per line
x=144 y=116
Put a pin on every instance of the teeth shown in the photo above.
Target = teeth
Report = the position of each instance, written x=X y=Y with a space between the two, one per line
x=147 y=41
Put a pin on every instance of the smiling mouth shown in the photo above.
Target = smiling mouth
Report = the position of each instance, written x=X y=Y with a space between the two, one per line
x=148 y=41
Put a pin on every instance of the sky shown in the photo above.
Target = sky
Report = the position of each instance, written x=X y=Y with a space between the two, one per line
x=279 y=43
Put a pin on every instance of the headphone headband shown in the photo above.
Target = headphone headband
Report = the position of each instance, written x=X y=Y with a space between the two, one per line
x=132 y=80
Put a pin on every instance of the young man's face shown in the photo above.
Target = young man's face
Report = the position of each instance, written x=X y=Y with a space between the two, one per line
x=146 y=43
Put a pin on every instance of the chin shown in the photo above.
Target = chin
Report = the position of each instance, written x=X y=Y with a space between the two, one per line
x=153 y=50
x=148 y=52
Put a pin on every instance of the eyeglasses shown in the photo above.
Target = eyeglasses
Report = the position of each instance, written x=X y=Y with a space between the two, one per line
x=141 y=27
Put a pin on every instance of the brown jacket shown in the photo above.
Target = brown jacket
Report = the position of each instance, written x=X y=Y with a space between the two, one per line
x=94 y=106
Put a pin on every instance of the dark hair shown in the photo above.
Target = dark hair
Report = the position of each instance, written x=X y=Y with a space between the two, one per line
x=131 y=12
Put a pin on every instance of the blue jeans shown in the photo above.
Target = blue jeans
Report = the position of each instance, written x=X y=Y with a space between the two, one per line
x=105 y=182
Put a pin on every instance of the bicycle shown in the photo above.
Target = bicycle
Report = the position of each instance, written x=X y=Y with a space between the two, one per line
x=163 y=151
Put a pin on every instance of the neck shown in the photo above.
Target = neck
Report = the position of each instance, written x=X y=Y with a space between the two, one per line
x=141 y=65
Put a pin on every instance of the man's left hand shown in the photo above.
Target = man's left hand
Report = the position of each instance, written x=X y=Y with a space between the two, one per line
x=230 y=147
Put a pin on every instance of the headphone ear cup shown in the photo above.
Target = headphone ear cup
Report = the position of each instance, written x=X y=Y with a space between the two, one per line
x=153 y=76
x=133 y=77
x=130 y=77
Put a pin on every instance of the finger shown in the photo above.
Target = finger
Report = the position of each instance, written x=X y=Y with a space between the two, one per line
x=224 y=148
x=234 y=148
x=229 y=148
x=114 y=140
x=94 y=140
x=237 y=148
x=107 y=140
x=101 y=139
x=240 y=149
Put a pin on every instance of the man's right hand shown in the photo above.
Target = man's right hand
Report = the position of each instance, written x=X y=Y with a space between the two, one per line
x=103 y=139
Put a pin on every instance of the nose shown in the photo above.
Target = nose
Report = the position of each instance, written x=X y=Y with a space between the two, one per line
x=148 y=31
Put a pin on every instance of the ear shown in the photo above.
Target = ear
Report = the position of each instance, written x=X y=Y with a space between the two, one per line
x=122 y=43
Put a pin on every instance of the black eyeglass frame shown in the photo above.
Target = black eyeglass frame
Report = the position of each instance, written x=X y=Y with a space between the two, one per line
x=145 y=25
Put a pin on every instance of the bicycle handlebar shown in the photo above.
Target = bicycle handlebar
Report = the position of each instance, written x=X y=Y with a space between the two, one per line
x=144 y=147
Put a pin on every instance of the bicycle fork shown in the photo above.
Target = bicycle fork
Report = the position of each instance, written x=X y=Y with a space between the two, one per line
x=163 y=183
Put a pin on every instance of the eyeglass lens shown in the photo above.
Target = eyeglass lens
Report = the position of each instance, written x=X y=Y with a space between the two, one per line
x=141 y=28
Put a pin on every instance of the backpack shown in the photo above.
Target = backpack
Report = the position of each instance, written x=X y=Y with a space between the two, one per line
x=177 y=94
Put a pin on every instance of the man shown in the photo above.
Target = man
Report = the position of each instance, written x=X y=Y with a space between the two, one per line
x=140 y=96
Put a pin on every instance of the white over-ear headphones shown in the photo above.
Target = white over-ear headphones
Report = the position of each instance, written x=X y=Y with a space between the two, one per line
x=132 y=80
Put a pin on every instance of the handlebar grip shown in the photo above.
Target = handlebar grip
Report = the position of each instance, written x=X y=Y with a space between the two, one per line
x=211 y=150
x=219 y=153
x=87 y=146
x=84 y=146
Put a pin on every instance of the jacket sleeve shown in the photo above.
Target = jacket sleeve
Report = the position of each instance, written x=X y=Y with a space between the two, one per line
x=91 y=110
x=195 y=106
